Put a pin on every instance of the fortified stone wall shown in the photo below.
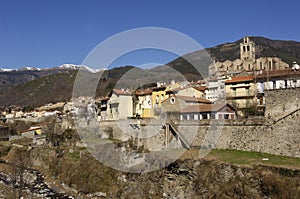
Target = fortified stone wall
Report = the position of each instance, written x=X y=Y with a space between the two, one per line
x=280 y=138
x=281 y=102
x=278 y=133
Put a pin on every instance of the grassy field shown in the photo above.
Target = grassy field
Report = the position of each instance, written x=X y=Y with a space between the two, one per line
x=246 y=158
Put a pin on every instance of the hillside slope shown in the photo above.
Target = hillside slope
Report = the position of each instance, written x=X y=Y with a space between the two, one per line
x=35 y=88
x=288 y=51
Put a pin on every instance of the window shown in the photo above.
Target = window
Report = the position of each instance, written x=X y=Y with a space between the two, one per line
x=248 y=48
x=157 y=99
x=244 y=48
x=172 y=100
x=261 y=67
x=234 y=91
x=247 y=91
x=195 y=117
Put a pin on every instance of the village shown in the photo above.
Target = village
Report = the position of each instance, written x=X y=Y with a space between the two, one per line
x=235 y=90
x=149 y=99
x=244 y=105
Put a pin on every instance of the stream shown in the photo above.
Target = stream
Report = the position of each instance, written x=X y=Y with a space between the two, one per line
x=33 y=182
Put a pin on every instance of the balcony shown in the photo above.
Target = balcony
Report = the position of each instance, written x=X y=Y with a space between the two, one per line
x=103 y=105
x=114 y=101
x=240 y=95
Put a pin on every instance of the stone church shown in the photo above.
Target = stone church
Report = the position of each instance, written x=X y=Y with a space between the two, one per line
x=247 y=62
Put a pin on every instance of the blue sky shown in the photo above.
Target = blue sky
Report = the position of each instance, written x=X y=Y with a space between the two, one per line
x=46 y=33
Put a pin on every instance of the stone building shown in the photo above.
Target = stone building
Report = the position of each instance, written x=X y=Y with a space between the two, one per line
x=247 y=62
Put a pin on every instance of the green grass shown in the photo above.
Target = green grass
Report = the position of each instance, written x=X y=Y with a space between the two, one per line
x=75 y=155
x=247 y=157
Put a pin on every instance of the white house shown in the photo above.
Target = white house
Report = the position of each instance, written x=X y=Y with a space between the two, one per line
x=208 y=111
x=120 y=104
x=215 y=89
x=278 y=79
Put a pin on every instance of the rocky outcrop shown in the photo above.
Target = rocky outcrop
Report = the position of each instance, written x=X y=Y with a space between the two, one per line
x=182 y=179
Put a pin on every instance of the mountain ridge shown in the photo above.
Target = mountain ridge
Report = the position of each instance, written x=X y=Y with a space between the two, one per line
x=20 y=84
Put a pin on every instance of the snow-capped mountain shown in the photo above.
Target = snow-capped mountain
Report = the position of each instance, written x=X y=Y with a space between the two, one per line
x=69 y=66
x=82 y=67
x=28 y=68
x=61 y=67
x=6 y=70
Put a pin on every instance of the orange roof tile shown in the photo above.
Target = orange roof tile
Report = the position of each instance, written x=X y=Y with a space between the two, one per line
x=200 y=88
x=203 y=108
x=143 y=92
x=193 y=99
x=104 y=99
x=159 y=88
x=278 y=73
x=122 y=92
x=240 y=79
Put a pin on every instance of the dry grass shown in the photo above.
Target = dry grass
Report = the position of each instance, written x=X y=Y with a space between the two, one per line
x=245 y=158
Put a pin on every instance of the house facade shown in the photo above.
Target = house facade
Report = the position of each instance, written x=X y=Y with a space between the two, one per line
x=241 y=92
x=143 y=106
x=176 y=103
x=198 y=92
x=208 y=111
x=158 y=96
x=279 y=79
x=215 y=89
x=120 y=104
x=103 y=110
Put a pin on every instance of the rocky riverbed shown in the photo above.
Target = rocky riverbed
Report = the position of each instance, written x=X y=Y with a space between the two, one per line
x=33 y=183
x=72 y=172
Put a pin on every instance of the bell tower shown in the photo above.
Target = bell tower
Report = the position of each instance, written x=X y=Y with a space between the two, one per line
x=247 y=49
x=247 y=53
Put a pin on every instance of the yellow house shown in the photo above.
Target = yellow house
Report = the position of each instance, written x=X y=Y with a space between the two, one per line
x=198 y=92
x=144 y=103
x=149 y=101
x=158 y=95
x=172 y=86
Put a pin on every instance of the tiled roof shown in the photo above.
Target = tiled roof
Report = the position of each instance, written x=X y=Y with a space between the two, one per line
x=278 y=73
x=200 y=88
x=193 y=99
x=213 y=79
x=122 y=92
x=240 y=79
x=159 y=88
x=203 y=108
x=104 y=99
x=197 y=83
x=144 y=92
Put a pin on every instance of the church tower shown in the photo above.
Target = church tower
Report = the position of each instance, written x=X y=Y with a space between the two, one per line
x=247 y=53
x=247 y=49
